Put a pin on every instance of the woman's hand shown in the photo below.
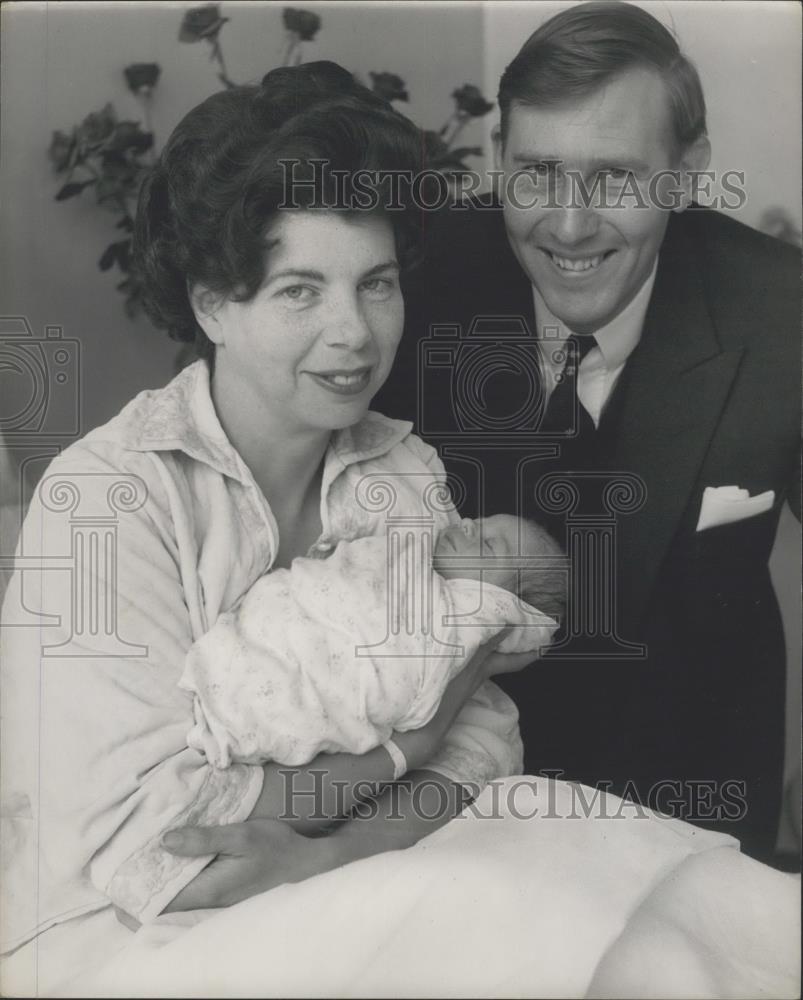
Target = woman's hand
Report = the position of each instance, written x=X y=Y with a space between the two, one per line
x=506 y=663
x=420 y=745
x=252 y=857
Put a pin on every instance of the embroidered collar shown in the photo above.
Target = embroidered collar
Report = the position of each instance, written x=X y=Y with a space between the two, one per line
x=182 y=417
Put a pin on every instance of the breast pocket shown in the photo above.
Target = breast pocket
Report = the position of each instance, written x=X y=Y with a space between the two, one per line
x=729 y=575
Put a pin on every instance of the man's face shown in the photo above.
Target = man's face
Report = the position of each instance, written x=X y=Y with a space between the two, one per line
x=588 y=262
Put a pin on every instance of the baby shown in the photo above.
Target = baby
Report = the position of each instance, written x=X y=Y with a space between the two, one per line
x=335 y=654
x=514 y=554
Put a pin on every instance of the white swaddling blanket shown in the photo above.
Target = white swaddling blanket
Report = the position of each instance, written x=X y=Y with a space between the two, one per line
x=334 y=655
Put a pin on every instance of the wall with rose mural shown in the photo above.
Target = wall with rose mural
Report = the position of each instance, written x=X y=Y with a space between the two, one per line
x=66 y=60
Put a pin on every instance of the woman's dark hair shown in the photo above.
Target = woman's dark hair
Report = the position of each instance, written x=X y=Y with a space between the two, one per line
x=204 y=209
x=581 y=49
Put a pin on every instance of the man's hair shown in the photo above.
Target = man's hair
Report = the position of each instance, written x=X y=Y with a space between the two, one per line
x=581 y=49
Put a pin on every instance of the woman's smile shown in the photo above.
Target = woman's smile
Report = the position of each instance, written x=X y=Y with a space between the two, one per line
x=344 y=383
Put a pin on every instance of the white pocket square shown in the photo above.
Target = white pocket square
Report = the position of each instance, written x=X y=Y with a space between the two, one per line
x=725 y=504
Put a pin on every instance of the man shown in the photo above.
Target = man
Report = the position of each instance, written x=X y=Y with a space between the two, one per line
x=682 y=368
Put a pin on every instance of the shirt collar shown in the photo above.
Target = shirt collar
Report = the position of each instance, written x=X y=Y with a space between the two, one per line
x=617 y=339
x=182 y=417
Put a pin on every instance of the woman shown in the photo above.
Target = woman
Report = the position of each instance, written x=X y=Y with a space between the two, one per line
x=296 y=313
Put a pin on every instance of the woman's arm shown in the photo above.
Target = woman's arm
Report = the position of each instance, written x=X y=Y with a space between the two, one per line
x=311 y=797
x=263 y=853
x=96 y=722
x=286 y=677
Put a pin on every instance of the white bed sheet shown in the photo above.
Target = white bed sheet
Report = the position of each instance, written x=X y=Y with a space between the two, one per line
x=504 y=905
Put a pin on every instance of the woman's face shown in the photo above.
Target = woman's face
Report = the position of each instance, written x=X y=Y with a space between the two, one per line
x=316 y=343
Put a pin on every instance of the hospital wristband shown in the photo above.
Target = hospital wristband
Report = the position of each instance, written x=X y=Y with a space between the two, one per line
x=396 y=754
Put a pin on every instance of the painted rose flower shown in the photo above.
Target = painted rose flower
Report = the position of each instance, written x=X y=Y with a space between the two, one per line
x=142 y=77
x=97 y=127
x=389 y=86
x=303 y=23
x=201 y=22
x=469 y=101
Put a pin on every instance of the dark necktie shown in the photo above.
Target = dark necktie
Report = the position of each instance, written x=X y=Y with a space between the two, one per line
x=565 y=414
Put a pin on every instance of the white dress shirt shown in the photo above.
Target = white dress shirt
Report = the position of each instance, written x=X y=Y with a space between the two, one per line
x=603 y=364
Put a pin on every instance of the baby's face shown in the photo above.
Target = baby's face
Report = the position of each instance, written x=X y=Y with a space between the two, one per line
x=466 y=546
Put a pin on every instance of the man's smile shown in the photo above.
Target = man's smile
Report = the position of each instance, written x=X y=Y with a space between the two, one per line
x=577 y=264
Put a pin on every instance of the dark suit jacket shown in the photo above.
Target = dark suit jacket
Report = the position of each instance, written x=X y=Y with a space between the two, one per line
x=710 y=397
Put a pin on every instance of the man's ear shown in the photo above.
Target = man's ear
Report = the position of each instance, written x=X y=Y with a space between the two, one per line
x=205 y=305
x=694 y=160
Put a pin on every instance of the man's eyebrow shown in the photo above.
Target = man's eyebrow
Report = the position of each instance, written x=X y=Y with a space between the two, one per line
x=622 y=162
x=615 y=160
x=536 y=158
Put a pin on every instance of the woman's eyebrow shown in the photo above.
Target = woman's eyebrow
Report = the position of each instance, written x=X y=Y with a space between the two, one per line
x=388 y=265
x=310 y=275
x=292 y=272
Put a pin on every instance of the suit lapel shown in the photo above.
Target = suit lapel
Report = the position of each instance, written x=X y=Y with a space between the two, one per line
x=678 y=380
